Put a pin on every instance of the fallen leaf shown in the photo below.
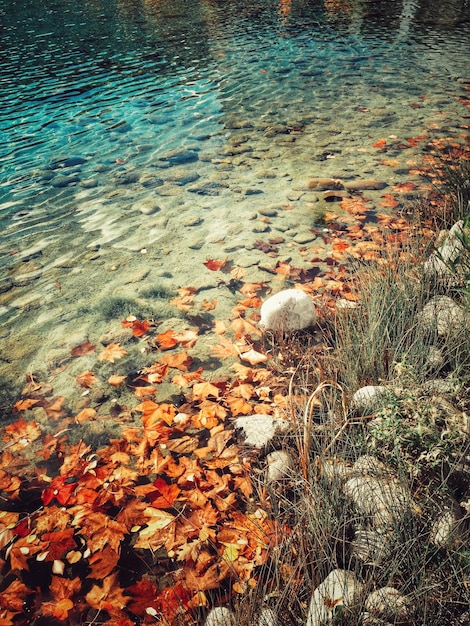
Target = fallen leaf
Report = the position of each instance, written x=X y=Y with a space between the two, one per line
x=166 y=340
x=86 y=379
x=253 y=357
x=213 y=265
x=84 y=348
x=179 y=360
x=85 y=415
x=112 y=352
x=380 y=143
x=138 y=328
x=205 y=389
x=116 y=380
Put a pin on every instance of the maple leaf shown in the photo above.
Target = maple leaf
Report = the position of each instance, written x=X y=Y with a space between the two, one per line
x=164 y=495
x=380 y=143
x=219 y=327
x=238 y=406
x=84 y=348
x=184 y=380
x=242 y=327
x=58 y=608
x=145 y=391
x=155 y=373
x=112 y=352
x=60 y=542
x=151 y=537
x=389 y=201
x=58 y=489
x=20 y=434
x=116 y=381
x=24 y=405
x=166 y=340
x=138 y=328
x=85 y=415
x=213 y=265
x=208 y=305
x=108 y=597
x=153 y=413
x=144 y=594
x=204 y=390
x=253 y=357
x=224 y=349
x=102 y=562
x=54 y=407
x=86 y=379
x=12 y=598
x=180 y=360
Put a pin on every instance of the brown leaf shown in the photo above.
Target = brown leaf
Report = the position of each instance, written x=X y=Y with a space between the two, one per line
x=180 y=360
x=84 y=348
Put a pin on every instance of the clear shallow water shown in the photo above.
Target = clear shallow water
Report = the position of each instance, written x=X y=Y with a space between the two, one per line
x=141 y=138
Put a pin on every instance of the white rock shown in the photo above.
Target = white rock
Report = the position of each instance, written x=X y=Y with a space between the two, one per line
x=220 y=616
x=388 y=603
x=443 y=315
x=439 y=264
x=383 y=500
x=288 y=311
x=368 y=399
x=370 y=547
x=259 y=429
x=368 y=465
x=267 y=618
x=340 y=588
x=279 y=465
x=448 y=527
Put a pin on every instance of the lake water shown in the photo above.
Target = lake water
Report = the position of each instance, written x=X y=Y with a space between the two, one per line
x=140 y=138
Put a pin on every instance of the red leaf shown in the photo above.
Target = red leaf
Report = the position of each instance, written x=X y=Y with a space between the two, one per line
x=213 y=265
x=138 y=328
x=164 y=494
x=58 y=489
x=380 y=143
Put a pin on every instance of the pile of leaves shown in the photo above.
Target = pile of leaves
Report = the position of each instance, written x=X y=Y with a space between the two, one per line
x=163 y=521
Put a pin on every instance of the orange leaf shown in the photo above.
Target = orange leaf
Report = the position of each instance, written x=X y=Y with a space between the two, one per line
x=24 y=405
x=205 y=389
x=213 y=265
x=389 y=201
x=108 y=596
x=184 y=380
x=112 y=352
x=209 y=305
x=409 y=186
x=242 y=327
x=138 y=328
x=164 y=495
x=84 y=415
x=219 y=327
x=58 y=609
x=116 y=381
x=20 y=434
x=181 y=361
x=166 y=340
x=224 y=349
x=143 y=392
x=354 y=206
x=153 y=413
x=86 y=379
x=380 y=143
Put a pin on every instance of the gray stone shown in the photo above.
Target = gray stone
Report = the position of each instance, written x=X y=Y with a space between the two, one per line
x=368 y=184
x=444 y=316
x=445 y=262
x=181 y=176
x=340 y=588
x=324 y=184
x=302 y=238
x=383 y=501
x=388 y=603
x=147 y=206
x=288 y=310
x=448 y=528
x=259 y=429
x=369 y=398
x=370 y=547
x=220 y=616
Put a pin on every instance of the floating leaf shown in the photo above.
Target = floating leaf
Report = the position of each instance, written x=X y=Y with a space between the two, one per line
x=86 y=379
x=213 y=265
x=112 y=353
x=84 y=348
x=380 y=143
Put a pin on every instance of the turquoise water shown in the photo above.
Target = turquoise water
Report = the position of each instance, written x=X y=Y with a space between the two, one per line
x=141 y=138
